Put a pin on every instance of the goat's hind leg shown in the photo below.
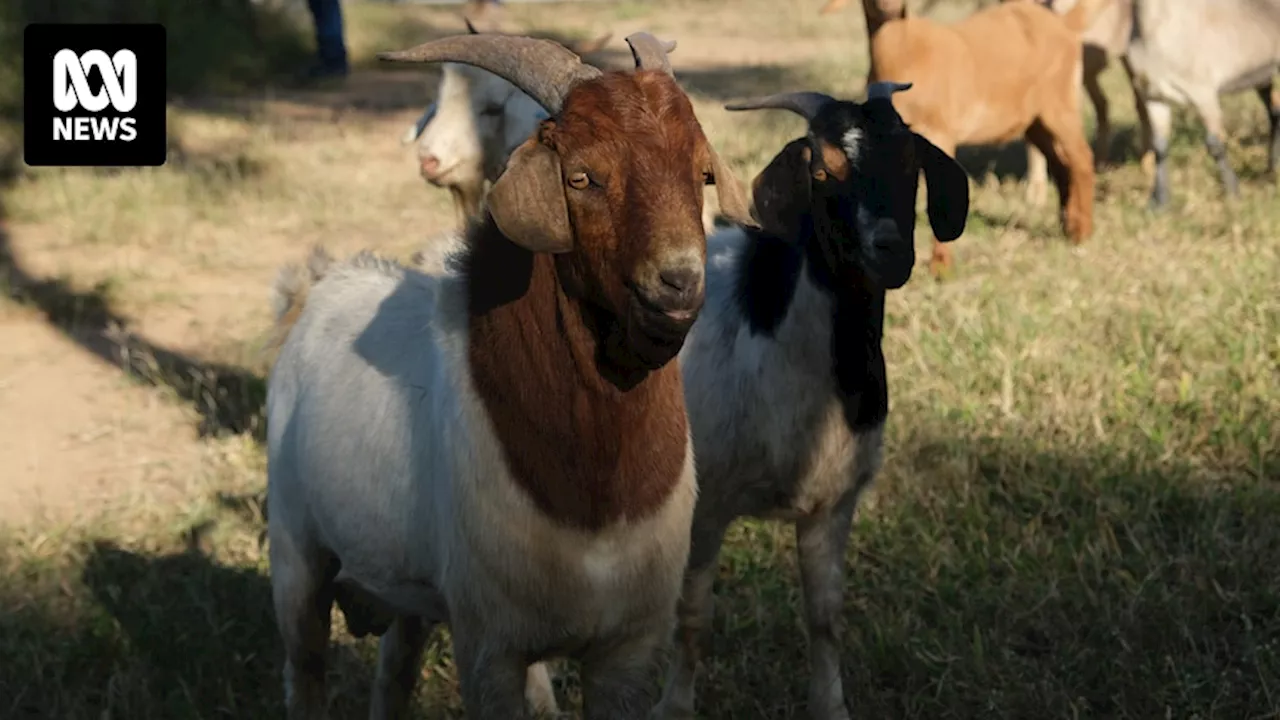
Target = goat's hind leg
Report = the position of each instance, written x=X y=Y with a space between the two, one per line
x=538 y=691
x=1270 y=95
x=302 y=591
x=1210 y=111
x=1071 y=166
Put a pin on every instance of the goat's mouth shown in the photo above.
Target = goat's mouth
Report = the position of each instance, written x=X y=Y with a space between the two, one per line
x=656 y=332
x=439 y=176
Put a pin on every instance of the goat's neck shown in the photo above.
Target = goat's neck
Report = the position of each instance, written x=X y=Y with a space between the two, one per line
x=586 y=451
x=798 y=302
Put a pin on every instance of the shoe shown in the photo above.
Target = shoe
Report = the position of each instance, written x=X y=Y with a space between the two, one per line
x=322 y=71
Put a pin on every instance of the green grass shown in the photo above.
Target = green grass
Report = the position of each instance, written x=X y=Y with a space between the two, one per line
x=1077 y=517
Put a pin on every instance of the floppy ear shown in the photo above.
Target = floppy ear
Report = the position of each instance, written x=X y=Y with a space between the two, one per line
x=733 y=197
x=948 y=188
x=781 y=191
x=527 y=202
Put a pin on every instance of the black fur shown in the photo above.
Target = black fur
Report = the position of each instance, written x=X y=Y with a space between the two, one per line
x=768 y=276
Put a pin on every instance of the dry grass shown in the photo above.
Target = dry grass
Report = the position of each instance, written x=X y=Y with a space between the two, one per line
x=1078 y=511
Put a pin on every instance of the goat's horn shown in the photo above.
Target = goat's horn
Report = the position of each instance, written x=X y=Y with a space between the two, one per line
x=547 y=71
x=804 y=104
x=885 y=89
x=650 y=52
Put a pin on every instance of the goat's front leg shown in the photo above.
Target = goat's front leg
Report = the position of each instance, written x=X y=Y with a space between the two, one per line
x=821 y=539
x=492 y=679
x=399 y=659
x=693 y=616
x=615 y=680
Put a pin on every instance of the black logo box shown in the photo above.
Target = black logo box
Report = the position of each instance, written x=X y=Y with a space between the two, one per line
x=150 y=146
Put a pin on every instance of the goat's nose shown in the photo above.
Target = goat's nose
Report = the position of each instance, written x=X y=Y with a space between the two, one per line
x=682 y=280
x=885 y=236
x=430 y=165
x=677 y=290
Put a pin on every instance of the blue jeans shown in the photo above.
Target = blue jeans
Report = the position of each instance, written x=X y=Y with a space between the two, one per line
x=328 y=17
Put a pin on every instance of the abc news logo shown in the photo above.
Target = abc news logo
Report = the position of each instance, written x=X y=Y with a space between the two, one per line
x=94 y=95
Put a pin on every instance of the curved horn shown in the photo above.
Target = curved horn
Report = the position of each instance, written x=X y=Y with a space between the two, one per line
x=543 y=69
x=650 y=52
x=885 y=89
x=804 y=104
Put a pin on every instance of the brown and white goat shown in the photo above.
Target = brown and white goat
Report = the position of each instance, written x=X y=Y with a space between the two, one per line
x=505 y=448
x=1007 y=71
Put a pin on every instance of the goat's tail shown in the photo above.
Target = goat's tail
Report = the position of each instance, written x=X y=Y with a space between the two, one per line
x=1080 y=17
x=289 y=293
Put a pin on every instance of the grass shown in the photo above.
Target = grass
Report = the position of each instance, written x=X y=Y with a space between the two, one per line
x=1077 y=516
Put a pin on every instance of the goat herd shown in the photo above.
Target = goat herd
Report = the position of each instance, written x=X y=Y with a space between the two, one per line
x=502 y=437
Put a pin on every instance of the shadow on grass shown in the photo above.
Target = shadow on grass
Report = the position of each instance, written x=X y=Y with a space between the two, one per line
x=1008 y=579
x=154 y=636
x=228 y=398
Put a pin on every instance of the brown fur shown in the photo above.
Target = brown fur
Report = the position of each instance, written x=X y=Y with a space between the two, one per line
x=549 y=340
x=1008 y=71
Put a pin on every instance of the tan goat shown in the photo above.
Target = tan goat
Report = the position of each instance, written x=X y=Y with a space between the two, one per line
x=1008 y=71
x=1105 y=38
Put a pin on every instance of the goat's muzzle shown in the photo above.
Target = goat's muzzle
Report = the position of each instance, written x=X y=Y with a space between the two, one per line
x=890 y=256
x=663 y=307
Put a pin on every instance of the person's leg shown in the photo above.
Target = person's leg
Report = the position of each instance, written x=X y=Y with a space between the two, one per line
x=332 y=49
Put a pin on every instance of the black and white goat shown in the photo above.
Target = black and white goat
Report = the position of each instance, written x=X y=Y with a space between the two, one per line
x=784 y=376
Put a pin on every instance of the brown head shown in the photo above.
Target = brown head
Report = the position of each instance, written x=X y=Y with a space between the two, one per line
x=611 y=183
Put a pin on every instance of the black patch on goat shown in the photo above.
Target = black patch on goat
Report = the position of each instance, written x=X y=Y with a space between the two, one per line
x=768 y=276
x=767 y=279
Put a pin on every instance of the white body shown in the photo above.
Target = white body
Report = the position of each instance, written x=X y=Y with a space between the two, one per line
x=381 y=454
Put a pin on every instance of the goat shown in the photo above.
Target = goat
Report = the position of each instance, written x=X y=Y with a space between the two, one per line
x=467 y=134
x=784 y=375
x=505 y=447
x=1106 y=37
x=1190 y=51
x=1006 y=71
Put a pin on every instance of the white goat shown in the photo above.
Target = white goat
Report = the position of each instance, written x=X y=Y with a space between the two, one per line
x=505 y=448
x=784 y=374
x=466 y=135
x=1189 y=52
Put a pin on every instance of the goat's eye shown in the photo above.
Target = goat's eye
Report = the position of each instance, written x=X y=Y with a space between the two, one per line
x=492 y=111
x=820 y=175
x=708 y=177
x=579 y=181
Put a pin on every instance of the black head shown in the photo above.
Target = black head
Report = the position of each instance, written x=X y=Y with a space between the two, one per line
x=850 y=185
